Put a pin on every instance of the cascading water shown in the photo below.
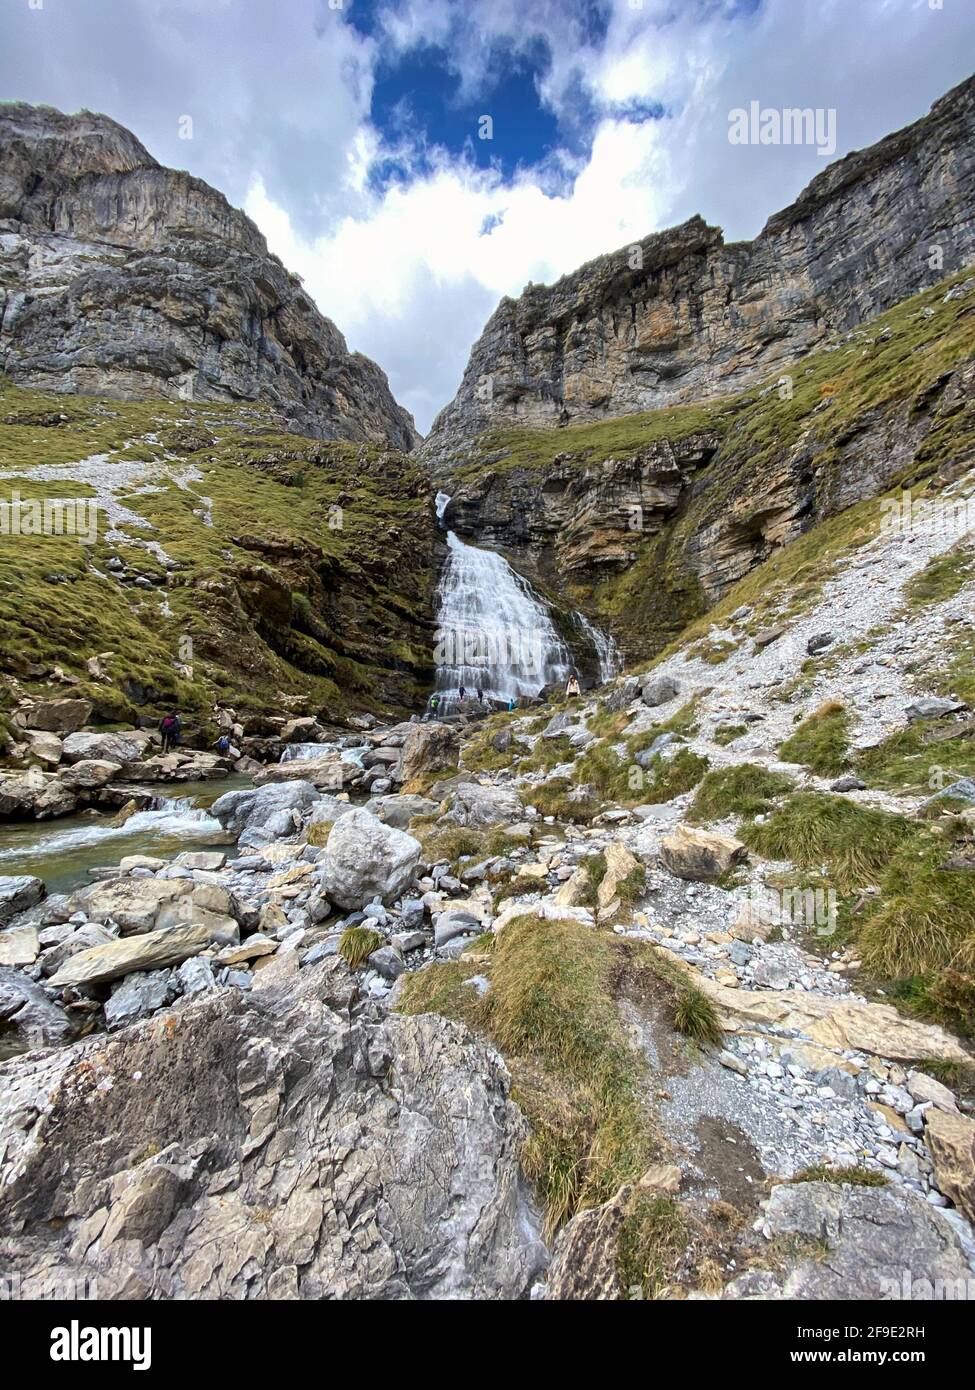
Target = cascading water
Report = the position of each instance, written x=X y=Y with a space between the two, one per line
x=496 y=633
x=301 y=752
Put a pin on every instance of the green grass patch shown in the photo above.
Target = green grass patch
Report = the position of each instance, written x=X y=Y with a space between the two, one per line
x=743 y=790
x=821 y=742
x=941 y=578
x=854 y=1175
x=357 y=944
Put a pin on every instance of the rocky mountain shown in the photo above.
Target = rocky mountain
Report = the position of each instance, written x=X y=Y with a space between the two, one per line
x=682 y=316
x=645 y=521
x=125 y=279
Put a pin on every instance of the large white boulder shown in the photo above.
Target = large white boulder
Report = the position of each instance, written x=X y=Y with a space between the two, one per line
x=365 y=859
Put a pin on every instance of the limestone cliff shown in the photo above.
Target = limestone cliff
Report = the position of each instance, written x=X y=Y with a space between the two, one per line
x=121 y=278
x=682 y=316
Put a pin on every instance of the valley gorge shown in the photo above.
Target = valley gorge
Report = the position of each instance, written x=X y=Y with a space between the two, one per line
x=404 y=971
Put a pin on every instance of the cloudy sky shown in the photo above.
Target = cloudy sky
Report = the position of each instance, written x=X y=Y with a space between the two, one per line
x=351 y=130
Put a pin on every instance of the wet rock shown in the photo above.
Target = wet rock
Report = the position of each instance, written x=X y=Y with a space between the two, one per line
x=139 y=995
x=24 y=1005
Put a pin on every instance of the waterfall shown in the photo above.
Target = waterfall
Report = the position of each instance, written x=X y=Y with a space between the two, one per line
x=495 y=631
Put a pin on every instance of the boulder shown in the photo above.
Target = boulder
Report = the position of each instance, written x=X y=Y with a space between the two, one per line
x=17 y=893
x=19 y=946
x=46 y=748
x=91 y=934
x=58 y=716
x=402 y=1129
x=819 y=643
x=25 y=1006
x=89 y=773
x=951 y=1141
x=659 y=690
x=366 y=859
x=768 y=635
x=932 y=707
x=477 y=806
x=329 y=773
x=882 y=1242
x=399 y=810
x=34 y=793
x=924 y=1089
x=133 y=903
x=149 y=951
x=700 y=855
x=388 y=962
x=620 y=863
x=262 y=813
x=430 y=747
x=138 y=995
x=112 y=748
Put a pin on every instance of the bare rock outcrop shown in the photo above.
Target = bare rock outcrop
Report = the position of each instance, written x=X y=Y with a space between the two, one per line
x=278 y=1144
x=119 y=277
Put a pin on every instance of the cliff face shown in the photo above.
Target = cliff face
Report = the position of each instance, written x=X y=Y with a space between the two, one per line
x=121 y=278
x=690 y=317
x=646 y=521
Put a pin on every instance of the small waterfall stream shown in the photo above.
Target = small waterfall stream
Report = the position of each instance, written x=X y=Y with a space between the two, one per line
x=495 y=631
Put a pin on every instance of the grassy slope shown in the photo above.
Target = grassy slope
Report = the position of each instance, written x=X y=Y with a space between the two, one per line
x=273 y=597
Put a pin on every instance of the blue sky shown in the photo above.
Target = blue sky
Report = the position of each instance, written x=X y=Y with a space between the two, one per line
x=348 y=129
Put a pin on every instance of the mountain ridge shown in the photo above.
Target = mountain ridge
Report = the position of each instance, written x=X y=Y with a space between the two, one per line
x=122 y=278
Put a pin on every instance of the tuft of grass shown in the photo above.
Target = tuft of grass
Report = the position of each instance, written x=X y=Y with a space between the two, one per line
x=695 y=1016
x=743 y=790
x=652 y=1241
x=919 y=758
x=813 y=830
x=729 y=733
x=552 y=799
x=551 y=1012
x=822 y=1172
x=357 y=944
x=821 y=742
x=941 y=578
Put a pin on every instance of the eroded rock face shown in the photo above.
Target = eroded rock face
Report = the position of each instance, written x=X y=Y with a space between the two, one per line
x=310 y=1150
x=681 y=315
x=122 y=278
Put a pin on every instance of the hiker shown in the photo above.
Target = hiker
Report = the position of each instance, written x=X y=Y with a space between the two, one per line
x=170 y=726
x=511 y=704
x=572 y=686
x=223 y=745
x=480 y=696
x=434 y=702
x=462 y=692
